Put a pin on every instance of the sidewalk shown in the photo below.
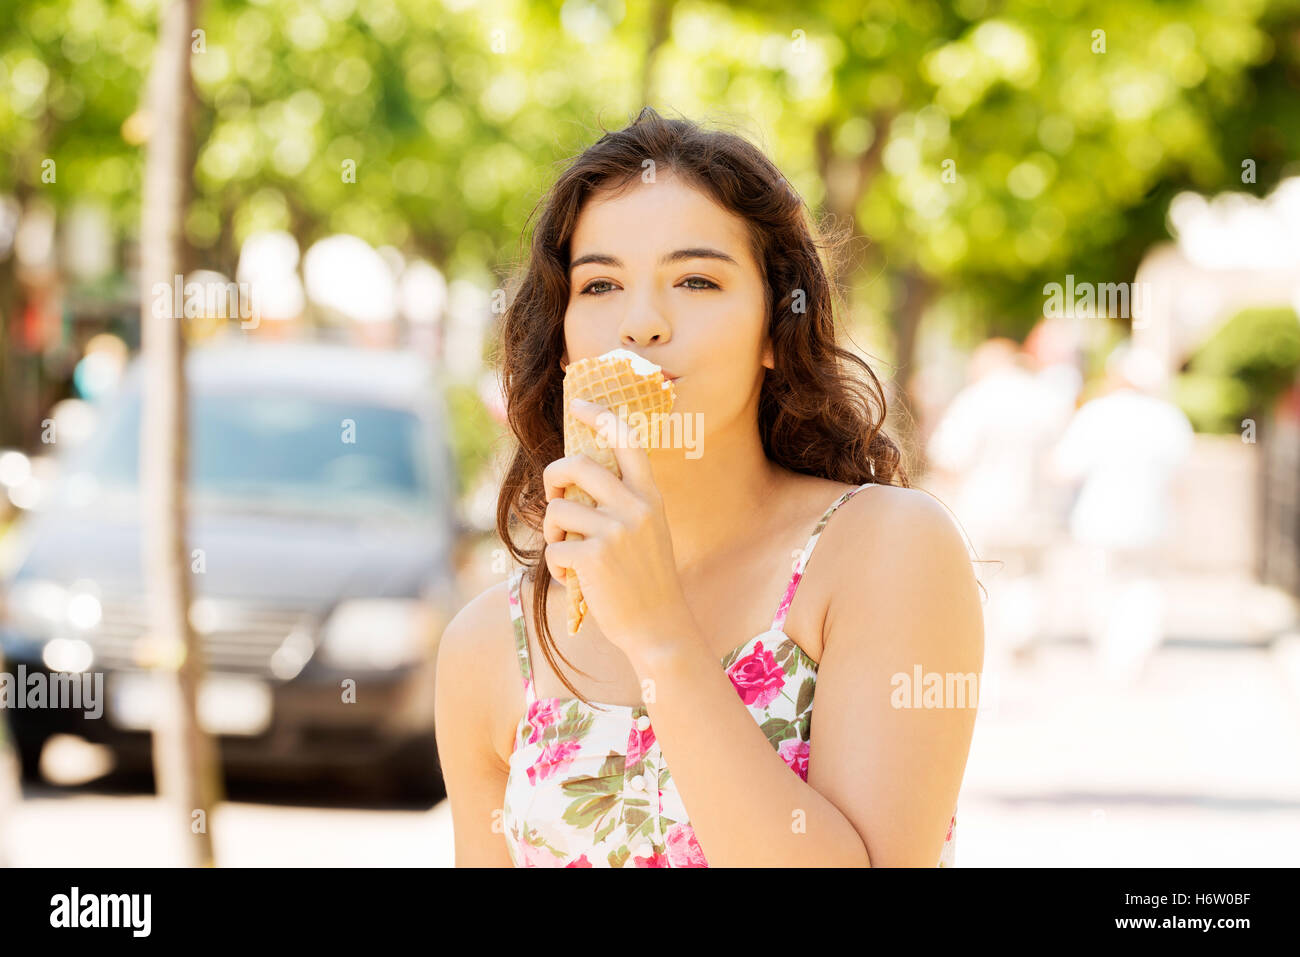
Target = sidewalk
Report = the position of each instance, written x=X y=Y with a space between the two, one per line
x=55 y=828
x=1197 y=763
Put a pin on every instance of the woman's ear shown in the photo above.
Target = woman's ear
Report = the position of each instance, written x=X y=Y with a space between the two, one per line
x=768 y=360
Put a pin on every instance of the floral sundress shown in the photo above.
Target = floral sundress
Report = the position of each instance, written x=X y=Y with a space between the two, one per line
x=588 y=785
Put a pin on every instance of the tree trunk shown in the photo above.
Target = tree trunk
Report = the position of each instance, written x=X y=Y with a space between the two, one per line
x=661 y=15
x=11 y=793
x=847 y=181
x=11 y=432
x=918 y=289
x=185 y=765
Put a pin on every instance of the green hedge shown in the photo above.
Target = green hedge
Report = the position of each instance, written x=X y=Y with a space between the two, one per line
x=474 y=432
x=1240 y=371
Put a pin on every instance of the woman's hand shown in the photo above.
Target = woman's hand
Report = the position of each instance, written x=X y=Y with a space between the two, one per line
x=625 y=560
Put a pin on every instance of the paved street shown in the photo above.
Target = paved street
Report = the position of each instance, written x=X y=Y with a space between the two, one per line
x=119 y=824
x=1196 y=763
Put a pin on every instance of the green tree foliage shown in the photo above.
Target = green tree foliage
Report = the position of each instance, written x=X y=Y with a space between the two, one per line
x=978 y=150
x=1056 y=121
x=1240 y=370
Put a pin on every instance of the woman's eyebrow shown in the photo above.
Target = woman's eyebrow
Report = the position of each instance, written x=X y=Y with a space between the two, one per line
x=679 y=255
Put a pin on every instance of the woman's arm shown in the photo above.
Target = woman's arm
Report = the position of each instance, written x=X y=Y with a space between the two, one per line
x=888 y=753
x=883 y=780
x=465 y=689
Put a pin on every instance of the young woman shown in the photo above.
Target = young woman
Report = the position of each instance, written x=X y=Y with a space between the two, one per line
x=689 y=740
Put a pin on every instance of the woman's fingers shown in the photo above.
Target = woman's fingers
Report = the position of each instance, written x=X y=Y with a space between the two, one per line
x=580 y=470
x=558 y=571
x=614 y=496
x=627 y=442
x=564 y=516
x=560 y=557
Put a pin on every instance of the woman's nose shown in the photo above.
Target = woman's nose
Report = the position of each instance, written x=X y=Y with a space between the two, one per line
x=631 y=340
x=643 y=324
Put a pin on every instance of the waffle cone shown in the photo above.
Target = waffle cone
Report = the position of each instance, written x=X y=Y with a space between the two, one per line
x=613 y=383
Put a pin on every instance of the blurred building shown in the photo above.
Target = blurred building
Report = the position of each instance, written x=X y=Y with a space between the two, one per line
x=1233 y=251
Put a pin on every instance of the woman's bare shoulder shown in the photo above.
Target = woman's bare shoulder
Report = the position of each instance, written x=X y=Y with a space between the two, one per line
x=900 y=580
x=484 y=617
x=799 y=494
x=881 y=521
x=900 y=546
x=477 y=660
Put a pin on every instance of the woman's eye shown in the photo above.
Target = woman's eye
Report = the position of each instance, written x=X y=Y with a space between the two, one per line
x=708 y=283
x=598 y=287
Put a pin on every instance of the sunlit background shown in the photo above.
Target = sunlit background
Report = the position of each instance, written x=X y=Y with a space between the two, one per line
x=1074 y=259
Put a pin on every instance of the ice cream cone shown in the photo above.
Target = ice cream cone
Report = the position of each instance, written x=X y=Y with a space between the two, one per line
x=618 y=380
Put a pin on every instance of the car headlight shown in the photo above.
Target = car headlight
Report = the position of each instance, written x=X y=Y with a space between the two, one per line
x=377 y=633
x=68 y=654
x=36 y=606
x=43 y=608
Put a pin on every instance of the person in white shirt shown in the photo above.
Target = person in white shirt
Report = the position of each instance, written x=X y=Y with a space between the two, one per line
x=1125 y=447
x=994 y=439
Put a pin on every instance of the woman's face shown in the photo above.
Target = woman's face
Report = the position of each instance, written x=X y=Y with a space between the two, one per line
x=663 y=271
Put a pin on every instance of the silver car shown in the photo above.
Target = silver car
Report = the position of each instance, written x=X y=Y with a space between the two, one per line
x=322 y=537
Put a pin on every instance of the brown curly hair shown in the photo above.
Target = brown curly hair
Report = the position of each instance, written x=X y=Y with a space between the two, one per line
x=821 y=410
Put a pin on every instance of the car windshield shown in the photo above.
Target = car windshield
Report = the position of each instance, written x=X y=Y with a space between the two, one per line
x=273 y=451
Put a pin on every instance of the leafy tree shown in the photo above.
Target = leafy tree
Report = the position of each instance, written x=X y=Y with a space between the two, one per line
x=977 y=150
x=1241 y=369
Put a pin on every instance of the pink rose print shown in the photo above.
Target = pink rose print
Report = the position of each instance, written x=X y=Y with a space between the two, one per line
x=638 y=744
x=554 y=757
x=795 y=753
x=788 y=596
x=541 y=715
x=580 y=862
x=654 y=860
x=537 y=856
x=683 y=849
x=951 y=824
x=757 y=677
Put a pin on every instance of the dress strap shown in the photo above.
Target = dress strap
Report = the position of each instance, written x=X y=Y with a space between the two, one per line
x=521 y=636
x=801 y=559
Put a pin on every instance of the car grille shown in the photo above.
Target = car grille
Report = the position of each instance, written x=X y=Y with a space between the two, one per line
x=236 y=636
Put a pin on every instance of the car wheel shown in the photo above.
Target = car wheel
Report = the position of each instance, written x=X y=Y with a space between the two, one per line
x=29 y=748
x=415 y=774
x=130 y=765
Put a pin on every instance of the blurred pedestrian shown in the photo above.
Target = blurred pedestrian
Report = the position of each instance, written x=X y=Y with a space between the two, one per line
x=994 y=439
x=1125 y=446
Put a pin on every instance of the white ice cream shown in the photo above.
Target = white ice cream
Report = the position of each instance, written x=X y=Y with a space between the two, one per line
x=640 y=364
